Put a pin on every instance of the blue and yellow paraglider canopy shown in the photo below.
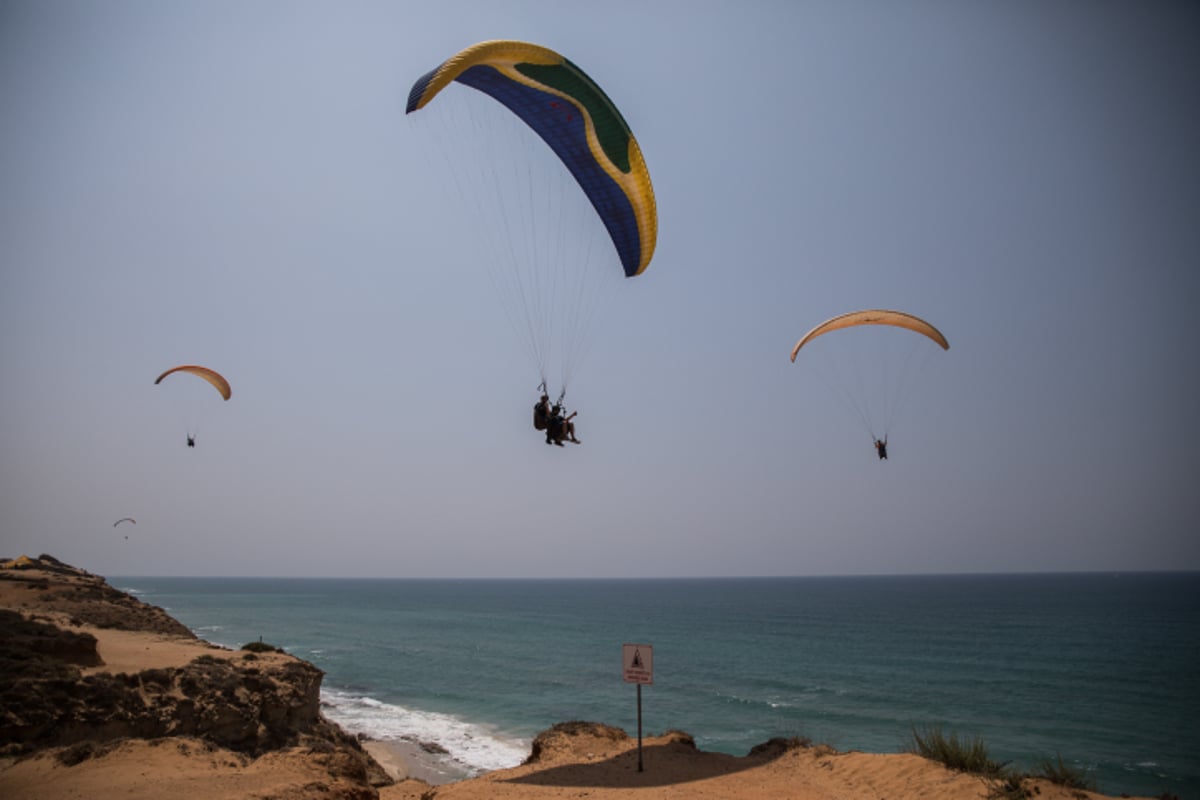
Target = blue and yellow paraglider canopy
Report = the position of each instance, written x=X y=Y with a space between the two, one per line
x=576 y=118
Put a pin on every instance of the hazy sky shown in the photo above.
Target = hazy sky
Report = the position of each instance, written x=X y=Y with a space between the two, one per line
x=236 y=184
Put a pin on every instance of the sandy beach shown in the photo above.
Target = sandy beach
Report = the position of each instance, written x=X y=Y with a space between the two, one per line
x=175 y=716
x=404 y=760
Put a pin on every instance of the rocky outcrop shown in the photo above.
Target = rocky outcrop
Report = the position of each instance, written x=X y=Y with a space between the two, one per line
x=250 y=707
x=55 y=692
x=31 y=648
x=562 y=738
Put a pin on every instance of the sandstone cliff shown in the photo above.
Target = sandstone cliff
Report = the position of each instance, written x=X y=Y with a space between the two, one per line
x=85 y=669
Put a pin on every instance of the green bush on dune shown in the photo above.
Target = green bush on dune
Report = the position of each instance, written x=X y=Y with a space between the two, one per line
x=961 y=756
x=1056 y=771
x=972 y=757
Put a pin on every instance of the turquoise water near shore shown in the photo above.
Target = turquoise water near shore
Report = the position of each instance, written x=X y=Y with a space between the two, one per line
x=1102 y=669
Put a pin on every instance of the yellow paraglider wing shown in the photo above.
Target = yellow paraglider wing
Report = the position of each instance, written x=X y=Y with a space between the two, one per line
x=212 y=376
x=877 y=316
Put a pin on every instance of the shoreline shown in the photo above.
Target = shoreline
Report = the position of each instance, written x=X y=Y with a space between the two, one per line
x=403 y=760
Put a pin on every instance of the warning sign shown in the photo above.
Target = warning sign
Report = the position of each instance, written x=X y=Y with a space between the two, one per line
x=637 y=663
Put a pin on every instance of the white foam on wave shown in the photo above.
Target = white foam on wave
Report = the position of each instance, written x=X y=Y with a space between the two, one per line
x=471 y=745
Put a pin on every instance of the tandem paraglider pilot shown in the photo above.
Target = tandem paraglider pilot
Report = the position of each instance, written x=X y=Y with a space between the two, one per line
x=881 y=448
x=551 y=420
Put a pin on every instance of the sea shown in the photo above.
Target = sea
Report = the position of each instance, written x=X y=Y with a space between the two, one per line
x=1100 y=670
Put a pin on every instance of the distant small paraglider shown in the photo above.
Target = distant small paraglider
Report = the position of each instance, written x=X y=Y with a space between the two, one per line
x=212 y=376
x=125 y=519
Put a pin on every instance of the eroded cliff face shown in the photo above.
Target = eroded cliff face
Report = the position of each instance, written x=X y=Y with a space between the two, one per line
x=243 y=702
x=57 y=692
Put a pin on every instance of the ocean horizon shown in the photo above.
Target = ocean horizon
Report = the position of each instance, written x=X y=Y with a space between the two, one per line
x=1102 y=669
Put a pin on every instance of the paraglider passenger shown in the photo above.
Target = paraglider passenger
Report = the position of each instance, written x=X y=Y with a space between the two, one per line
x=881 y=447
x=566 y=426
x=191 y=441
x=554 y=426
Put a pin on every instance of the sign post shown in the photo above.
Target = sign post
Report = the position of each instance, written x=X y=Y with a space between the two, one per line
x=637 y=666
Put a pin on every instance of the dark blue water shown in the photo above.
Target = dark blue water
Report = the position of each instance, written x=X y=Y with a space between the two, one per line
x=1103 y=670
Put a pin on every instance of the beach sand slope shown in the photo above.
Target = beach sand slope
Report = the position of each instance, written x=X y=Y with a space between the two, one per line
x=587 y=760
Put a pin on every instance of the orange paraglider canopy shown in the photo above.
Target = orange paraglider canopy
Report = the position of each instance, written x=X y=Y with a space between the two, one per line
x=212 y=376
